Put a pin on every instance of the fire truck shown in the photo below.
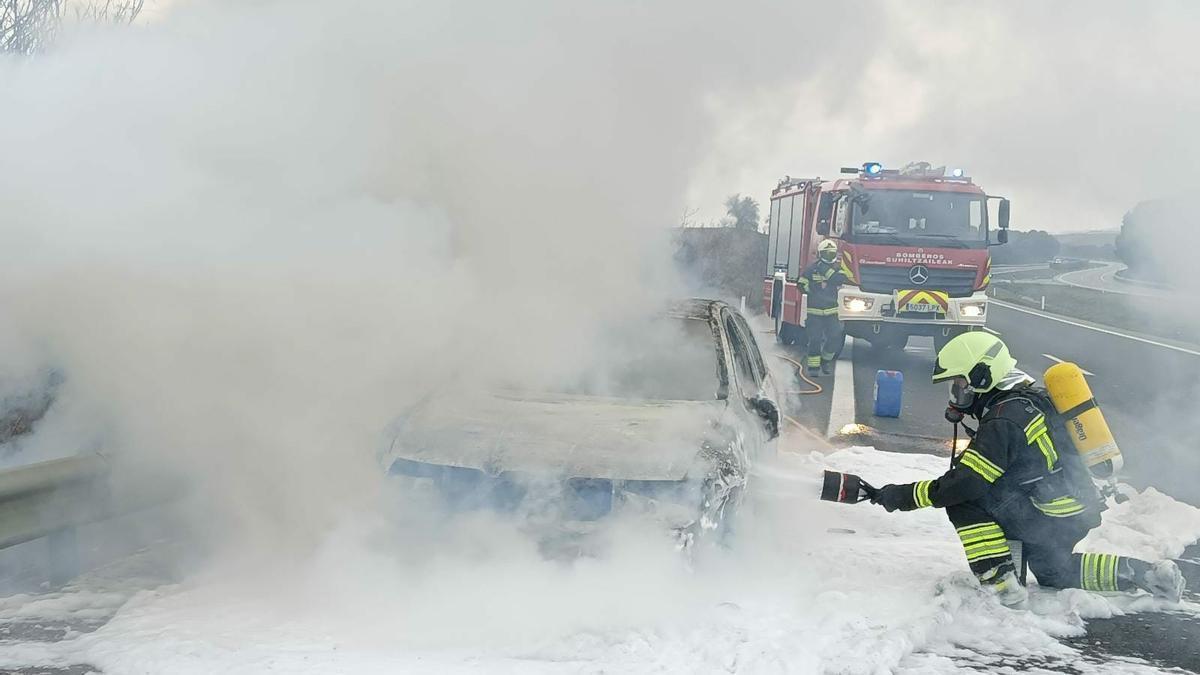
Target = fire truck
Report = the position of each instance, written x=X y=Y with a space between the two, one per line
x=913 y=244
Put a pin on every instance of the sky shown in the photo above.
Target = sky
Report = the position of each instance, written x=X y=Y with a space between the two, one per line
x=1075 y=110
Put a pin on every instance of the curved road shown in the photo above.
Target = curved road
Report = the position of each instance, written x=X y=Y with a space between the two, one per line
x=1103 y=279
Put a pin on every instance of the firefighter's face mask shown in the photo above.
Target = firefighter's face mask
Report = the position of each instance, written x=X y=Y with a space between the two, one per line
x=962 y=394
x=828 y=256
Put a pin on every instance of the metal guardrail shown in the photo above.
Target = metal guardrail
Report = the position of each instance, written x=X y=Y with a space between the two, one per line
x=40 y=499
x=52 y=499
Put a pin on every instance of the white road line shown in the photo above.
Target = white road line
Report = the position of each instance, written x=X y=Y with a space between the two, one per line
x=841 y=403
x=1059 y=319
x=1103 y=275
x=1058 y=360
x=993 y=332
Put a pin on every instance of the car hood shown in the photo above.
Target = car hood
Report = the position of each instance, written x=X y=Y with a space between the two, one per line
x=568 y=436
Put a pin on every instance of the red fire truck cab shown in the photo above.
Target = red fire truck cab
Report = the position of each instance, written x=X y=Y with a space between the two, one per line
x=913 y=244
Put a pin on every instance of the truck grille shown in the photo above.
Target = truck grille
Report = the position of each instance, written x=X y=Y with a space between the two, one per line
x=879 y=279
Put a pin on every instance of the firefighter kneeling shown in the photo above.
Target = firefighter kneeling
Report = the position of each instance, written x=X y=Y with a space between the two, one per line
x=1019 y=479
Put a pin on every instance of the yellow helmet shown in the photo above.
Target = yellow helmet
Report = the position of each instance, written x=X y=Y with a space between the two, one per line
x=980 y=357
x=827 y=250
x=975 y=363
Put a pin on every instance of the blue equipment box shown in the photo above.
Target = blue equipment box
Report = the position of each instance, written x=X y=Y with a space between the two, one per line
x=889 y=390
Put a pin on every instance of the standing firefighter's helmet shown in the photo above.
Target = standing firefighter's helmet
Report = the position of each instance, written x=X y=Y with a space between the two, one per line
x=827 y=251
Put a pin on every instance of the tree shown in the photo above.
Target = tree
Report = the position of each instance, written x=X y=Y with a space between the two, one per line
x=28 y=27
x=1158 y=240
x=743 y=212
x=109 y=11
x=1034 y=246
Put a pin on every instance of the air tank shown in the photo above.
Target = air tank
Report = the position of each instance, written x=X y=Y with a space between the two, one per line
x=1089 y=432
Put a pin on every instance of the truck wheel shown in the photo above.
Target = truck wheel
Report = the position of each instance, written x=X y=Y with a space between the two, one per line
x=837 y=353
x=889 y=343
x=789 y=334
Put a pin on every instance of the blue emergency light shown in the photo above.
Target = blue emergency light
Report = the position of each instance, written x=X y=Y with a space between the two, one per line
x=956 y=173
x=872 y=168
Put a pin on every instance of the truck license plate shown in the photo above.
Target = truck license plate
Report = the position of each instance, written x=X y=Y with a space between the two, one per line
x=921 y=307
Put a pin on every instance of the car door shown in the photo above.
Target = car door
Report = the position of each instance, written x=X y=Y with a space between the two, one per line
x=766 y=383
x=747 y=385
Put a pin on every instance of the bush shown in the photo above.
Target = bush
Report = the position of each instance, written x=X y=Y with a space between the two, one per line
x=1158 y=241
x=1034 y=246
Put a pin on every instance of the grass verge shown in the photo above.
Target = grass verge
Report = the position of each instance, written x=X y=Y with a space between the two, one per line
x=1140 y=314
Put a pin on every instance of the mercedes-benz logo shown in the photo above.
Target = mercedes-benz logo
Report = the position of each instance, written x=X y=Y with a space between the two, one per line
x=918 y=274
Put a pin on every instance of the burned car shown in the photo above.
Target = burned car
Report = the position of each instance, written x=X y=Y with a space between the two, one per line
x=668 y=426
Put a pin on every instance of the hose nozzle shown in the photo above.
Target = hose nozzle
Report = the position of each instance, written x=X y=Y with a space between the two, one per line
x=846 y=488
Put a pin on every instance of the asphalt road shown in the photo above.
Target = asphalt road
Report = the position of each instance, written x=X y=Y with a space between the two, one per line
x=1104 y=278
x=1009 y=269
x=1147 y=389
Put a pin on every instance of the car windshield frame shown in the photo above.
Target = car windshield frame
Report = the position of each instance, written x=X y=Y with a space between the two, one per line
x=919 y=218
x=622 y=379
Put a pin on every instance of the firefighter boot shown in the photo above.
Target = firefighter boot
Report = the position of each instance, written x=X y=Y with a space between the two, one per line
x=814 y=366
x=826 y=367
x=1005 y=586
x=1161 y=579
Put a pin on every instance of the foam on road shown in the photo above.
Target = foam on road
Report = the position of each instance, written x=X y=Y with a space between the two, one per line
x=797 y=594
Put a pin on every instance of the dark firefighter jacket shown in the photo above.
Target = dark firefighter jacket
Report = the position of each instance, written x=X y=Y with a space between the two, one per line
x=821 y=282
x=1013 y=450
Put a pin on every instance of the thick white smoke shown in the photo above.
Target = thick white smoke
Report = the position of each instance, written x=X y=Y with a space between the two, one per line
x=249 y=233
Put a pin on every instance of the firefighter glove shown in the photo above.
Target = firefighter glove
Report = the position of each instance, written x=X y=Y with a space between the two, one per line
x=895 y=497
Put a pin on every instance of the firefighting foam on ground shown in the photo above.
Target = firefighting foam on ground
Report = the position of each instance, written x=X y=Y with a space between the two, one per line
x=436 y=337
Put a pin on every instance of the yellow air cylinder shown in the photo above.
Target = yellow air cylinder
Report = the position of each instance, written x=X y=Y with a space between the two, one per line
x=1085 y=423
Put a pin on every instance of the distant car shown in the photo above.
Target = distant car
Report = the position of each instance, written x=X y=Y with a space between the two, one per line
x=1064 y=263
x=668 y=426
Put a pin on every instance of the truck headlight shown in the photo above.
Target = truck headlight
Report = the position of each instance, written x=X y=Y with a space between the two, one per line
x=857 y=303
x=972 y=308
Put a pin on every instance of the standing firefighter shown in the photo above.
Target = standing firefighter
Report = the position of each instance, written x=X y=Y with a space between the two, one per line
x=821 y=282
x=1019 y=480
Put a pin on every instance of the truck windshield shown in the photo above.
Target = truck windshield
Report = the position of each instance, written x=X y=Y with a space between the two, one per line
x=901 y=216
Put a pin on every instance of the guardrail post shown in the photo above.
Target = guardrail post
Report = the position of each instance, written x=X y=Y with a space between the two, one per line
x=63 y=548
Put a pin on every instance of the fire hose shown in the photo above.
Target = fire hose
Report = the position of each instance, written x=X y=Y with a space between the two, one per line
x=816 y=388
